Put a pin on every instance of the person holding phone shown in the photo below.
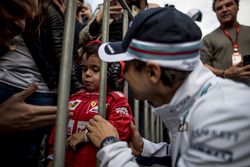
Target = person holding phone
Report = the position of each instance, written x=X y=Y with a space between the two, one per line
x=223 y=50
x=93 y=29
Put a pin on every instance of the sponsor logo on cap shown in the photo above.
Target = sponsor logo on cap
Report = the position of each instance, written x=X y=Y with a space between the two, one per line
x=111 y=50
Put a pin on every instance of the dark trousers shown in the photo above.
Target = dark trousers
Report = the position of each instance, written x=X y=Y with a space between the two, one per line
x=23 y=148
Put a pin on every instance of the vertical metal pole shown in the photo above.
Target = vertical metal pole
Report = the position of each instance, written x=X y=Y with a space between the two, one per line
x=64 y=84
x=103 y=73
x=136 y=112
x=146 y=119
x=161 y=131
x=157 y=129
x=124 y=30
x=152 y=129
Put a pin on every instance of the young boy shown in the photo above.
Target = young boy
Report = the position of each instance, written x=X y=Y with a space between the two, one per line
x=84 y=105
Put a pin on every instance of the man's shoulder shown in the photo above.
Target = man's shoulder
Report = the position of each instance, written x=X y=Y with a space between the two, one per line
x=244 y=27
x=213 y=33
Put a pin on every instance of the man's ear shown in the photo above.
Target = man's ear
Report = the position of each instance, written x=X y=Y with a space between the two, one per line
x=153 y=72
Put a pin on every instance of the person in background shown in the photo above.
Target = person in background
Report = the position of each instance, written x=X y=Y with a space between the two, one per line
x=224 y=50
x=21 y=112
x=94 y=28
x=198 y=108
x=83 y=14
x=84 y=105
x=51 y=39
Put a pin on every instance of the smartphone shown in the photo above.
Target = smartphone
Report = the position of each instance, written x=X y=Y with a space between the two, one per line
x=246 y=60
x=117 y=12
x=114 y=2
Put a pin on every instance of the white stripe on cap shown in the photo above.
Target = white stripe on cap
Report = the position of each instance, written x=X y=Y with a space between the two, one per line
x=181 y=56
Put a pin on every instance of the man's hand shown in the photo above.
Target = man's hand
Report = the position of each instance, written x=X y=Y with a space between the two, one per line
x=237 y=72
x=99 y=129
x=16 y=115
x=136 y=144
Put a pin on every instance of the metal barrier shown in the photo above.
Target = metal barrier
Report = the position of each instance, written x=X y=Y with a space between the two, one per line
x=64 y=84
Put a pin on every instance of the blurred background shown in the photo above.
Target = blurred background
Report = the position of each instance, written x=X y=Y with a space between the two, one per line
x=209 y=21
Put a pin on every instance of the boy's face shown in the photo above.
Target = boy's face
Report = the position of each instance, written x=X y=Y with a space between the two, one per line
x=13 y=14
x=90 y=73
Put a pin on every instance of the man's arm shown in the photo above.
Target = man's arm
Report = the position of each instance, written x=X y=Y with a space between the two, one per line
x=117 y=152
x=16 y=115
x=207 y=57
x=149 y=153
x=216 y=71
x=233 y=72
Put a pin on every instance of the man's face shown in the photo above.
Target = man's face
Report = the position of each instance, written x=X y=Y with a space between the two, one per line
x=137 y=81
x=13 y=14
x=226 y=11
x=146 y=84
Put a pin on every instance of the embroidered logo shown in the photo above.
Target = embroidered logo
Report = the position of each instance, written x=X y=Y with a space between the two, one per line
x=81 y=126
x=122 y=110
x=111 y=50
x=74 y=104
x=93 y=107
x=93 y=103
x=70 y=126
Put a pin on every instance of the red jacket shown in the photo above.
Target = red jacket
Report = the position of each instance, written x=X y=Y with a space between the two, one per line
x=84 y=105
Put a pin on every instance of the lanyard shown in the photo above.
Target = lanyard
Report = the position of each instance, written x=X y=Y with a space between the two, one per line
x=234 y=43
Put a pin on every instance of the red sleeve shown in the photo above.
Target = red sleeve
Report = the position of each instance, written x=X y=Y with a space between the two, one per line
x=51 y=141
x=119 y=114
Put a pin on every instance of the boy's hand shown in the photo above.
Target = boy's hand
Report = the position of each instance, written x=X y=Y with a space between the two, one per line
x=75 y=139
x=136 y=144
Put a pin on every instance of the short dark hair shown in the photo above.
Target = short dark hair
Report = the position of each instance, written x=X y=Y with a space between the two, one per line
x=214 y=1
x=90 y=48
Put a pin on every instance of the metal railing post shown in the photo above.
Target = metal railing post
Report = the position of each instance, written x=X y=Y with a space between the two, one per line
x=64 y=84
x=103 y=72
x=124 y=30
x=136 y=113
x=146 y=119
x=152 y=126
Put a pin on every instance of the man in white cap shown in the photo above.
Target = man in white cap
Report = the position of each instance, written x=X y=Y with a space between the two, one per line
x=208 y=117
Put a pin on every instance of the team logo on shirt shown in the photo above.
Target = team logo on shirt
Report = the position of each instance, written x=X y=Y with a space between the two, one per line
x=81 y=126
x=93 y=107
x=122 y=110
x=93 y=103
x=70 y=126
x=73 y=104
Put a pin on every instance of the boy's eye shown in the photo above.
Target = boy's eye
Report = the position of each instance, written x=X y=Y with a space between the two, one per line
x=84 y=68
x=96 y=69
